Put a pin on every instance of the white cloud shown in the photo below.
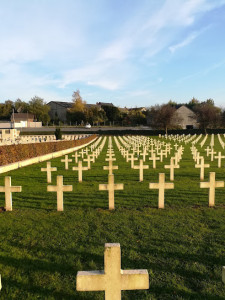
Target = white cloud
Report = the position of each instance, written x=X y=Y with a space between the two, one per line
x=184 y=43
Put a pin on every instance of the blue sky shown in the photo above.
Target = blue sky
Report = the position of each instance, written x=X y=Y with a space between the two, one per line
x=129 y=52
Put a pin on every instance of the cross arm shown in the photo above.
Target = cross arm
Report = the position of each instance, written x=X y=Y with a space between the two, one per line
x=51 y=188
x=90 y=281
x=118 y=186
x=67 y=188
x=103 y=187
x=135 y=280
x=15 y=189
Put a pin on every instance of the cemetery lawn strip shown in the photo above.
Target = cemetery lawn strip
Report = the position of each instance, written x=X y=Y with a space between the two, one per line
x=182 y=246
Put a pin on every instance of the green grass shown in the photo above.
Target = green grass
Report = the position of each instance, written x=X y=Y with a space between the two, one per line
x=182 y=246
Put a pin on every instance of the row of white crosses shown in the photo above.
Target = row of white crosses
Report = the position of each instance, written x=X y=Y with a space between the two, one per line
x=111 y=186
x=8 y=189
x=60 y=188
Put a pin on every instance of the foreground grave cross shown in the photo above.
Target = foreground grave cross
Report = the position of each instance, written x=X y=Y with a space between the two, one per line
x=172 y=166
x=161 y=186
x=202 y=167
x=112 y=280
x=59 y=189
x=110 y=167
x=111 y=187
x=80 y=170
x=8 y=190
x=141 y=168
x=212 y=185
x=66 y=160
x=0 y=283
x=49 y=171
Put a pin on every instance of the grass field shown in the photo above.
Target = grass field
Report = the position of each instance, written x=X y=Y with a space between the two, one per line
x=182 y=246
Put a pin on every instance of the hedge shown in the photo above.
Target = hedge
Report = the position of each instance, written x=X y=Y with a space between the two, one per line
x=14 y=153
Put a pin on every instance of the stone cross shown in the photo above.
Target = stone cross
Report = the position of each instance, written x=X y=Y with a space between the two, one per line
x=112 y=280
x=59 y=189
x=161 y=186
x=141 y=168
x=132 y=159
x=110 y=158
x=49 y=171
x=211 y=152
x=212 y=185
x=89 y=159
x=219 y=157
x=76 y=155
x=172 y=166
x=8 y=190
x=66 y=160
x=80 y=170
x=202 y=167
x=82 y=152
x=110 y=167
x=154 y=158
x=111 y=187
x=208 y=149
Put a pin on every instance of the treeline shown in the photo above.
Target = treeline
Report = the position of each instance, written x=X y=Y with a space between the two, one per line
x=82 y=113
x=164 y=116
x=35 y=106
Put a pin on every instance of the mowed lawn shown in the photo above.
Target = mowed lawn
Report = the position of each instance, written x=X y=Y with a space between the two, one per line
x=182 y=246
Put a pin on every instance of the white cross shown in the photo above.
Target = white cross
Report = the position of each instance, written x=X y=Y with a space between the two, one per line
x=212 y=185
x=89 y=159
x=132 y=159
x=172 y=166
x=80 y=170
x=219 y=157
x=8 y=190
x=212 y=154
x=112 y=279
x=59 y=189
x=202 y=167
x=154 y=158
x=76 y=155
x=141 y=168
x=111 y=187
x=49 y=171
x=110 y=167
x=161 y=186
x=66 y=160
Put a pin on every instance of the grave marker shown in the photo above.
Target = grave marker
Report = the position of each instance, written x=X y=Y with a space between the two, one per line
x=59 y=189
x=80 y=170
x=212 y=185
x=141 y=168
x=66 y=160
x=111 y=187
x=8 y=190
x=161 y=186
x=202 y=167
x=49 y=171
x=112 y=280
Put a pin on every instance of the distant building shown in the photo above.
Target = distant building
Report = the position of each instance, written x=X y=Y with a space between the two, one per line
x=58 y=110
x=19 y=120
x=104 y=104
x=142 y=109
x=186 y=118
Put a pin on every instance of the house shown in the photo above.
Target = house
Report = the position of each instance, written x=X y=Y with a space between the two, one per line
x=19 y=120
x=58 y=110
x=186 y=118
x=141 y=109
x=100 y=104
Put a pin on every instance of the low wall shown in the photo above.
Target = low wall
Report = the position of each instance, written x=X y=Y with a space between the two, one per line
x=36 y=159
